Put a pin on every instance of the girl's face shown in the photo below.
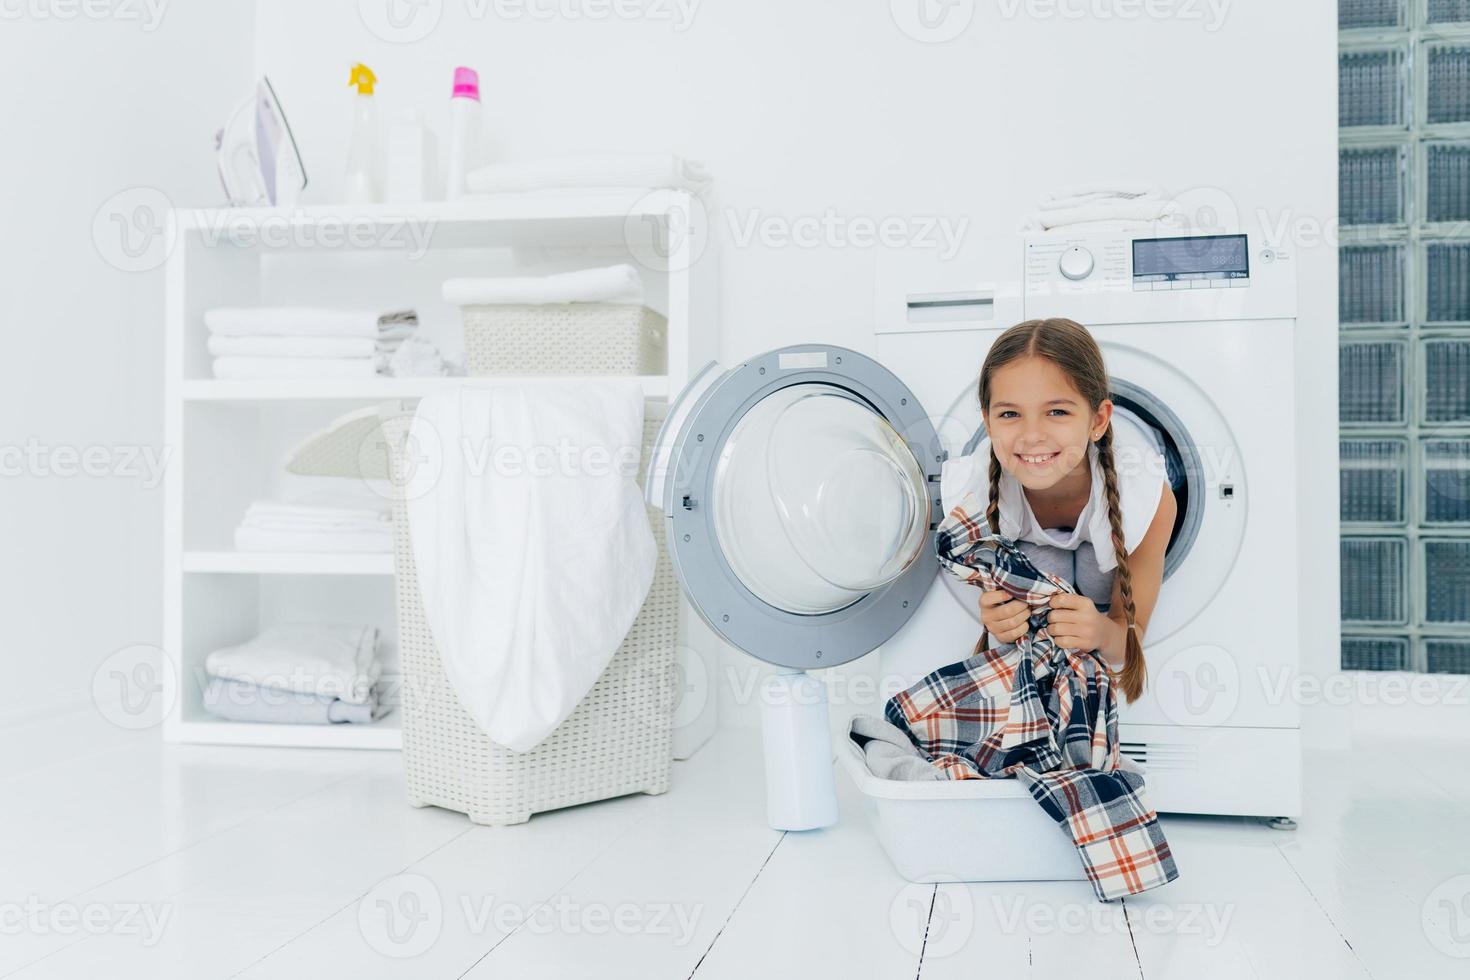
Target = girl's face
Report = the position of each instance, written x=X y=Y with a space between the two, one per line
x=1039 y=423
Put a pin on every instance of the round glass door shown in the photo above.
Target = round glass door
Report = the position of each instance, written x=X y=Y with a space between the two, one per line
x=817 y=500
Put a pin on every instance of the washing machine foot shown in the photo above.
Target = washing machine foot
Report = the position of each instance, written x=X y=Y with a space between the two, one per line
x=1281 y=823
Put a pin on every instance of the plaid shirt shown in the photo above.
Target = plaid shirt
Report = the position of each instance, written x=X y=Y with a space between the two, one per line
x=1037 y=711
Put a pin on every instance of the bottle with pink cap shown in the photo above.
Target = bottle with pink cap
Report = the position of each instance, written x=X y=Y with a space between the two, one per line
x=464 y=130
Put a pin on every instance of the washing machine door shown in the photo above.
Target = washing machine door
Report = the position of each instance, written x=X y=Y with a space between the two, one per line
x=801 y=492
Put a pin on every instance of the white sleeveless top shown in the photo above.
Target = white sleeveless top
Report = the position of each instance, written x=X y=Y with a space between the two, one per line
x=1138 y=460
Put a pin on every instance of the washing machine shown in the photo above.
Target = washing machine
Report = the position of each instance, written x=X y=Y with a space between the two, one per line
x=801 y=488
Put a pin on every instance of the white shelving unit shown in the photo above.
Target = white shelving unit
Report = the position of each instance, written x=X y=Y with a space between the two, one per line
x=229 y=437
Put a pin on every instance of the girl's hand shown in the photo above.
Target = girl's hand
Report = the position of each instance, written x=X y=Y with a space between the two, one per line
x=1007 y=619
x=1075 y=623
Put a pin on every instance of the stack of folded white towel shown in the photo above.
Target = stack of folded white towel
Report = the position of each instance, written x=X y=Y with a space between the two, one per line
x=298 y=673
x=590 y=171
x=309 y=342
x=333 y=522
x=1114 y=205
x=607 y=284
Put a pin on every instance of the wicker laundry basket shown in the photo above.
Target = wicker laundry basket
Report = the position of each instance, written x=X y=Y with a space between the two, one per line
x=618 y=740
x=565 y=338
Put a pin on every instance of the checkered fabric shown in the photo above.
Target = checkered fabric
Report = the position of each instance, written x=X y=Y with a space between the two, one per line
x=1042 y=713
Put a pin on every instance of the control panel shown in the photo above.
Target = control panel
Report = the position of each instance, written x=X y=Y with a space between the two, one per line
x=1110 y=277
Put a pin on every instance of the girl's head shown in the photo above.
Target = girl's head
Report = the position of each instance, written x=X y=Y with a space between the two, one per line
x=1044 y=397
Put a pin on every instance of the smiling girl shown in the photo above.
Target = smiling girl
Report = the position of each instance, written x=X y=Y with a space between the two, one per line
x=1064 y=473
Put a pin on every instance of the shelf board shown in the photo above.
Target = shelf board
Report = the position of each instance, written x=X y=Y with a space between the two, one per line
x=612 y=203
x=289 y=562
x=626 y=217
x=367 y=389
x=386 y=733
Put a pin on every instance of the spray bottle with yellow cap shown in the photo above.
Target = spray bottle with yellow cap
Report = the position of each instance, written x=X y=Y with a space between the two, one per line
x=362 y=151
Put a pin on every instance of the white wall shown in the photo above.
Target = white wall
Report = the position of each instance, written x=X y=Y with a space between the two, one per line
x=119 y=99
x=818 y=106
x=800 y=108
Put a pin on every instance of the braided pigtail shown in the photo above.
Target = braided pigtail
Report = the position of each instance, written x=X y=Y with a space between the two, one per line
x=992 y=517
x=1134 y=673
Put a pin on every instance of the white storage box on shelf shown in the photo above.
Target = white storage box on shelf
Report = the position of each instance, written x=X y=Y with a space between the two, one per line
x=618 y=740
x=565 y=338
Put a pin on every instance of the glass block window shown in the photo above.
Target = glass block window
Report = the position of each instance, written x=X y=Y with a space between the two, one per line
x=1371 y=381
x=1370 y=284
x=1446 y=182
x=1375 y=653
x=1372 y=87
x=1370 y=185
x=1373 y=580
x=1447 y=656
x=1439 y=12
x=1404 y=334
x=1356 y=14
x=1371 y=480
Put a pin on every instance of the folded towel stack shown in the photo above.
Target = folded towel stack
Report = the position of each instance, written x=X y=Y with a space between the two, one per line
x=321 y=522
x=304 y=342
x=609 y=284
x=298 y=673
x=590 y=171
x=1106 y=206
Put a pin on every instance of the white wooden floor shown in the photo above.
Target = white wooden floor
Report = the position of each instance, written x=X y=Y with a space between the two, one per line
x=122 y=857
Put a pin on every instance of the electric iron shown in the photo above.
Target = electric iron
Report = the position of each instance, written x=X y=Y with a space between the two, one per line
x=259 y=164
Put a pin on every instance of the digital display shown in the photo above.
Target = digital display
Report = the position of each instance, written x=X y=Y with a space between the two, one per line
x=1206 y=257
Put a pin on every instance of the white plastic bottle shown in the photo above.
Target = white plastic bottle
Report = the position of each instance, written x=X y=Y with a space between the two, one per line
x=464 y=131
x=408 y=172
x=361 y=185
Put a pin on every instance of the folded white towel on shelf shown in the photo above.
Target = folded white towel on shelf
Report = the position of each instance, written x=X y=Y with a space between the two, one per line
x=330 y=542
x=324 y=347
x=322 y=522
x=1078 y=194
x=326 y=659
x=1146 y=210
x=608 y=284
x=606 y=169
x=531 y=568
x=323 y=508
x=236 y=367
x=239 y=701
x=307 y=321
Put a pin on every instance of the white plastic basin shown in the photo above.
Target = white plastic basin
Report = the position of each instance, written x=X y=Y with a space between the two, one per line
x=962 y=830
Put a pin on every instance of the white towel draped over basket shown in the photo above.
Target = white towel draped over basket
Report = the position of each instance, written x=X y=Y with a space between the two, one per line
x=531 y=541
